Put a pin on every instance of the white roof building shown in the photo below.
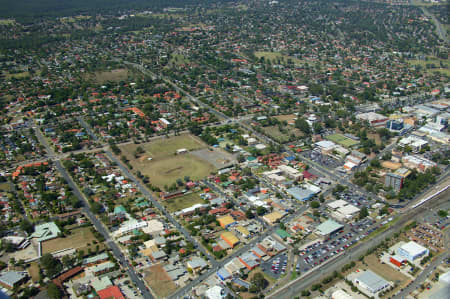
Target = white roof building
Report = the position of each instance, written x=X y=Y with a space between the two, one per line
x=326 y=144
x=153 y=227
x=216 y=292
x=412 y=251
x=129 y=226
x=337 y=204
x=340 y=294
x=371 y=282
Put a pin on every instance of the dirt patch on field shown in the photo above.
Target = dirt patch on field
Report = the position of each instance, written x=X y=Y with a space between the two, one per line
x=217 y=157
x=81 y=238
x=158 y=280
x=102 y=77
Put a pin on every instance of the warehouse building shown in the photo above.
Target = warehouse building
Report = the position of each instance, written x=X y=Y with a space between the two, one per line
x=412 y=251
x=328 y=228
x=230 y=239
x=371 y=282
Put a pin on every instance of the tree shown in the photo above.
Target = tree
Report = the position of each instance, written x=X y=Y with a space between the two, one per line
x=317 y=127
x=305 y=293
x=442 y=213
x=363 y=213
x=258 y=282
x=51 y=265
x=67 y=261
x=27 y=226
x=303 y=125
x=315 y=204
x=261 y=210
x=53 y=291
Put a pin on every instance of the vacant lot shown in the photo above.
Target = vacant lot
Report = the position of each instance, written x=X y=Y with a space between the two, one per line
x=433 y=64
x=286 y=117
x=5 y=187
x=21 y=75
x=7 y=21
x=270 y=280
x=216 y=156
x=183 y=202
x=116 y=75
x=167 y=170
x=275 y=133
x=166 y=167
x=158 y=280
x=33 y=270
x=164 y=147
x=342 y=140
x=274 y=57
x=79 y=239
x=178 y=59
x=375 y=137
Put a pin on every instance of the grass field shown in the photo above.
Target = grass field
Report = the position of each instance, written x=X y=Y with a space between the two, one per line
x=375 y=137
x=79 y=239
x=159 y=281
x=178 y=59
x=165 y=147
x=5 y=187
x=7 y=21
x=166 y=167
x=342 y=140
x=286 y=117
x=445 y=69
x=33 y=270
x=182 y=202
x=116 y=75
x=275 y=56
x=275 y=133
x=21 y=75
x=422 y=3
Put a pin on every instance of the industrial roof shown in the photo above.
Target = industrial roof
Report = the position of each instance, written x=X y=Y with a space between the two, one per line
x=413 y=248
x=119 y=209
x=300 y=193
x=348 y=210
x=372 y=280
x=282 y=233
x=102 y=266
x=46 y=231
x=223 y=274
x=328 y=227
x=12 y=277
x=226 y=220
x=101 y=283
x=228 y=236
x=96 y=258
x=273 y=217
x=111 y=292
x=337 y=204
x=197 y=262
x=242 y=230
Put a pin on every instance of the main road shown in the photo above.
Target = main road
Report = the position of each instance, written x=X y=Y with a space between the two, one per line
x=97 y=224
x=321 y=169
x=293 y=288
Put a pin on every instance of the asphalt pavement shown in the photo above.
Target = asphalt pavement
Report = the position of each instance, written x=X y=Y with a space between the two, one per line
x=294 y=288
x=97 y=224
